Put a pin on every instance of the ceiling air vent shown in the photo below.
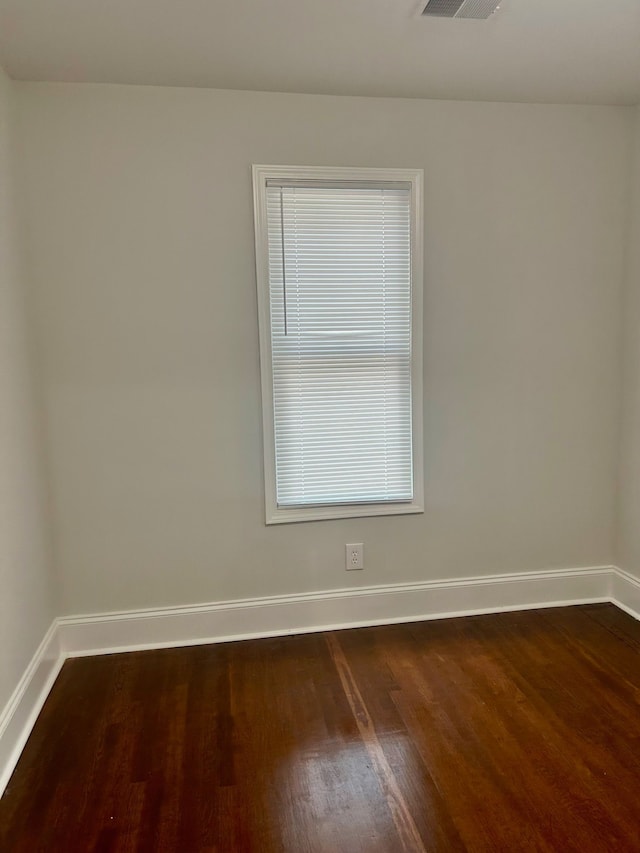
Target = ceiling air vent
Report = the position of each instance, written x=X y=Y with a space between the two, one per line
x=479 y=9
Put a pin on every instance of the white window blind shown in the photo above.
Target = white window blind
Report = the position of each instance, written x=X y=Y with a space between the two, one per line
x=339 y=268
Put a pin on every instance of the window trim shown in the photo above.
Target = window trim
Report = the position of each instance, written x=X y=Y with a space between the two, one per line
x=262 y=174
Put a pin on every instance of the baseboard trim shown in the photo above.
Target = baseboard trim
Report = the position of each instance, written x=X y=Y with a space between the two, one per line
x=329 y=610
x=625 y=592
x=106 y=633
x=21 y=711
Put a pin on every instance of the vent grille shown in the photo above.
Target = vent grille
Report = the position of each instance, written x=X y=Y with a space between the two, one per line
x=442 y=8
x=474 y=9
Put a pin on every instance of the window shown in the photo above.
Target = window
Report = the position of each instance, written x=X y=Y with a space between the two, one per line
x=339 y=266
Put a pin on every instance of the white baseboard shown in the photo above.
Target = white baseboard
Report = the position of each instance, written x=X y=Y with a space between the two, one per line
x=74 y=636
x=330 y=609
x=625 y=592
x=21 y=711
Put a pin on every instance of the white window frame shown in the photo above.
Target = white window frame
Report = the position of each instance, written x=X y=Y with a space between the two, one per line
x=262 y=174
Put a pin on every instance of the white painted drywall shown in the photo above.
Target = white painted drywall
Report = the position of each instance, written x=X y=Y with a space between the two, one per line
x=26 y=607
x=140 y=234
x=628 y=515
x=542 y=51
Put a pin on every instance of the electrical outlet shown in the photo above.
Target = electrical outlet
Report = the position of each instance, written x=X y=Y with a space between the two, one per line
x=354 y=556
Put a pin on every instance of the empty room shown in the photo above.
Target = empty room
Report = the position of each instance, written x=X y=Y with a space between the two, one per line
x=319 y=426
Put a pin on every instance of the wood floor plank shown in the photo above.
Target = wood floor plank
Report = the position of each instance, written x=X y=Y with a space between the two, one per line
x=508 y=732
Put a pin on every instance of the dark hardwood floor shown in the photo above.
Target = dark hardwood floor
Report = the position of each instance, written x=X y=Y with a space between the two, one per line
x=510 y=732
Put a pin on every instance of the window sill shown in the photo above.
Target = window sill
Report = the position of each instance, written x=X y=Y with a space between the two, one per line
x=320 y=513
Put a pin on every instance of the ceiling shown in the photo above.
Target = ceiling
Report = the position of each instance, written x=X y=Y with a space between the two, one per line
x=559 y=51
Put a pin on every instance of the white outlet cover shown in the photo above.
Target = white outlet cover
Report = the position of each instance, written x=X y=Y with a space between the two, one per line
x=354 y=556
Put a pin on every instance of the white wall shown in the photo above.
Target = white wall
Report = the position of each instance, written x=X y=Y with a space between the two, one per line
x=140 y=212
x=628 y=516
x=26 y=608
